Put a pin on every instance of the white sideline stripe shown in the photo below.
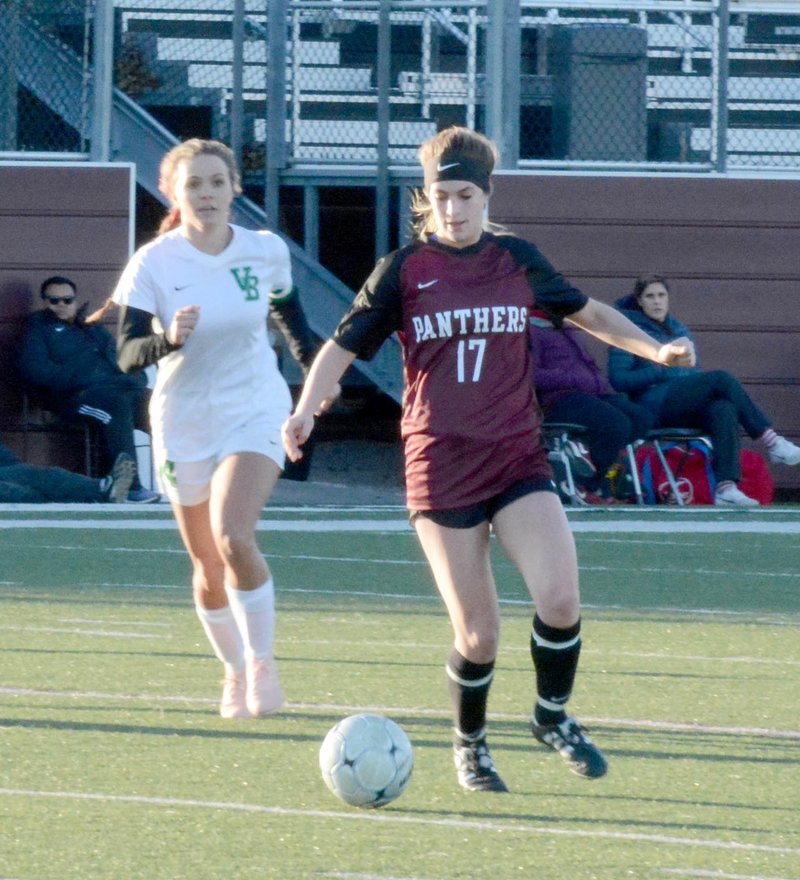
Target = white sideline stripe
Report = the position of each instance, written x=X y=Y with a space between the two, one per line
x=388 y=525
x=118 y=622
x=367 y=560
x=393 y=818
x=628 y=723
x=776 y=619
x=435 y=646
x=375 y=560
x=350 y=875
x=163 y=508
x=718 y=875
x=75 y=631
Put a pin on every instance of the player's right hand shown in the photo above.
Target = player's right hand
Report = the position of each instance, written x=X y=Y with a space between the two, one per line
x=678 y=353
x=294 y=433
x=182 y=324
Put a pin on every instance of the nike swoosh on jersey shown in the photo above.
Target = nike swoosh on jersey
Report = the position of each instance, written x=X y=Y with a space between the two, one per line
x=423 y=284
x=445 y=167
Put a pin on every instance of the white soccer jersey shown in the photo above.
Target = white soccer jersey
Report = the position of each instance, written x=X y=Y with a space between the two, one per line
x=226 y=375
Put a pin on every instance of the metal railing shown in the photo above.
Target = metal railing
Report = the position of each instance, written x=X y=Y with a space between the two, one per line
x=696 y=86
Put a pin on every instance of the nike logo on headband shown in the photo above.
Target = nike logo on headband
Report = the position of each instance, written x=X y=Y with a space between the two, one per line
x=445 y=167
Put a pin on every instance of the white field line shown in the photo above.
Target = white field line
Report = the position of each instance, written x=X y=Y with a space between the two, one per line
x=770 y=619
x=368 y=560
x=118 y=622
x=378 y=526
x=365 y=560
x=359 y=875
x=621 y=512
x=718 y=875
x=391 y=816
x=346 y=709
x=434 y=646
x=76 y=631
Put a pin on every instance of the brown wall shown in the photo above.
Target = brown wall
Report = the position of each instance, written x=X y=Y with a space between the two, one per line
x=73 y=219
x=729 y=246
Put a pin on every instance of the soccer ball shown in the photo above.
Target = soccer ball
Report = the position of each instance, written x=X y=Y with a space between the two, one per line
x=366 y=760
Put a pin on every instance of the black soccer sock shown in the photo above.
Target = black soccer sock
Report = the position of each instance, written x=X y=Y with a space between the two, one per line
x=555 y=655
x=468 y=684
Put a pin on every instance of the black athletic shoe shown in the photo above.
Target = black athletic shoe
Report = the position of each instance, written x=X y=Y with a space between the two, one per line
x=475 y=767
x=580 y=754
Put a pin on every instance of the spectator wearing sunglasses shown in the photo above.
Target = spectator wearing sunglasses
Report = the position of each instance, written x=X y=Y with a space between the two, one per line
x=68 y=363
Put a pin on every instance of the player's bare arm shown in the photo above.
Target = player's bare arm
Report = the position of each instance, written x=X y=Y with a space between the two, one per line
x=320 y=386
x=615 y=329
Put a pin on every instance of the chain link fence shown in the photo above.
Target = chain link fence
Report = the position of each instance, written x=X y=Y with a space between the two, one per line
x=40 y=110
x=654 y=84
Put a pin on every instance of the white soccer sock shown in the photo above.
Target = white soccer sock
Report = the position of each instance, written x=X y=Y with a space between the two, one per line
x=223 y=633
x=254 y=611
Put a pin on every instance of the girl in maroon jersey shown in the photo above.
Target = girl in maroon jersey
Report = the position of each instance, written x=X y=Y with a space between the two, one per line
x=459 y=297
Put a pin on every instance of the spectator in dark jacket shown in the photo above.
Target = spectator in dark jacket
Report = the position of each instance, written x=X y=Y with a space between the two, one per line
x=22 y=483
x=70 y=365
x=711 y=401
x=571 y=388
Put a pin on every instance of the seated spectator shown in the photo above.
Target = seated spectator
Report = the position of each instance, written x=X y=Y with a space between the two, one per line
x=22 y=483
x=571 y=388
x=711 y=401
x=70 y=365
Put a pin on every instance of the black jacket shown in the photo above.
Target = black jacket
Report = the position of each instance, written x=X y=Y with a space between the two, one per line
x=58 y=360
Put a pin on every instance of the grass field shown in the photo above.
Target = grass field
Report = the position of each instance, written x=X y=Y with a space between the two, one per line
x=115 y=764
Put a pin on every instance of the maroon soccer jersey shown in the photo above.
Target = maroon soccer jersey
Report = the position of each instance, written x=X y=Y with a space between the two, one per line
x=471 y=425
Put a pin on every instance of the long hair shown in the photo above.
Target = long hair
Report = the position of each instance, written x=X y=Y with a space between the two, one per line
x=453 y=139
x=181 y=153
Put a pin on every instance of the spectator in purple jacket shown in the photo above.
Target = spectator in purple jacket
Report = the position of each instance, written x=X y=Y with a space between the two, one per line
x=571 y=388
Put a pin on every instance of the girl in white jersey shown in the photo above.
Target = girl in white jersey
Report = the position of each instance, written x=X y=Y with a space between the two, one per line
x=195 y=301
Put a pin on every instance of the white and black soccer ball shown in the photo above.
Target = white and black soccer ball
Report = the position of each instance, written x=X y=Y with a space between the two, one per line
x=366 y=760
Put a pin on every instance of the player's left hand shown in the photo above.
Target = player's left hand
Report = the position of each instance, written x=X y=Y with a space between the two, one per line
x=678 y=353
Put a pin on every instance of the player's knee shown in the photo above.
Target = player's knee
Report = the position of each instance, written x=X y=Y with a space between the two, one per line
x=235 y=545
x=208 y=580
x=559 y=606
x=481 y=639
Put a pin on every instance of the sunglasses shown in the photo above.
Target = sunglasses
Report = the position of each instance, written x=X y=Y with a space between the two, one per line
x=55 y=300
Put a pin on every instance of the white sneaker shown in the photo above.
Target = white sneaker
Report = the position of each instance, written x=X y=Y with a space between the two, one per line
x=234 y=694
x=264 y=692
x=783 y=451
x=580 y=462
x=734 y=497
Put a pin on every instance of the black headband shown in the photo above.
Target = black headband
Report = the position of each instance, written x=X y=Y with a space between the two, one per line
x=452 y=165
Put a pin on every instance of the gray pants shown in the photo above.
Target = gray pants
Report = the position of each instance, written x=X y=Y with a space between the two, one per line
x=31 y=484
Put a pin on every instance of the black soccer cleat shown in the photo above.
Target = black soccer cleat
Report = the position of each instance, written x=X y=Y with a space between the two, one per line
x=580 y=754
x=475 y=768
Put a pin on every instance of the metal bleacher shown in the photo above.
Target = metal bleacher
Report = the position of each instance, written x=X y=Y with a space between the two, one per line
x=331 y=102
x=325 y=120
